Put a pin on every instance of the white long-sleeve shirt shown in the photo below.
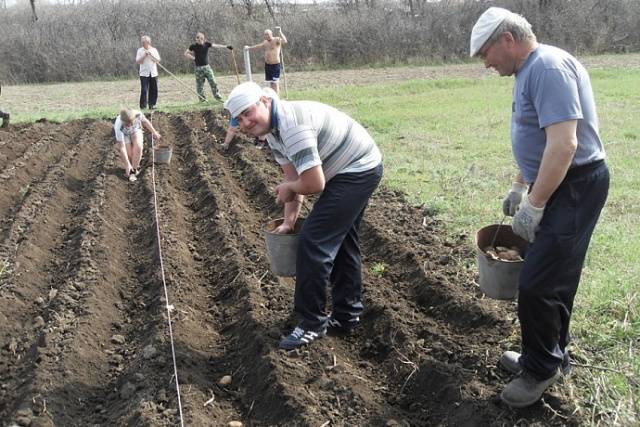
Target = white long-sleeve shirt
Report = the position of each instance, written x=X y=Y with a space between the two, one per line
x=148 y=67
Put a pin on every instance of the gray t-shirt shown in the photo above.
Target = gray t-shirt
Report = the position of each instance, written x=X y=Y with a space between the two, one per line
x=309 y=134
x=552 y=87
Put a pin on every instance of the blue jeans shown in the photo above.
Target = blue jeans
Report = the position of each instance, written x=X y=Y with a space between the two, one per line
x=329 y=251
x=553 y=265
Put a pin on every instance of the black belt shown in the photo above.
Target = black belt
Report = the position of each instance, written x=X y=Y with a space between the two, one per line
x=578 y=171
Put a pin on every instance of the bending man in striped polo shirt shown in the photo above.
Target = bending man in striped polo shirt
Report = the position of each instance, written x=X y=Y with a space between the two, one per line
x=320 y=150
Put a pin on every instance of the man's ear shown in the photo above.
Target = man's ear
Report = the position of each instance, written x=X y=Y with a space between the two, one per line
x=266 y=101
x=508 y=38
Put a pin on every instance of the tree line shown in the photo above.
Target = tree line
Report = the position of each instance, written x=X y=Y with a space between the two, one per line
x=97 y=39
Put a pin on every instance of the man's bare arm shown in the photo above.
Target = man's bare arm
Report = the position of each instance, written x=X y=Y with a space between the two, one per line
x=257 y=46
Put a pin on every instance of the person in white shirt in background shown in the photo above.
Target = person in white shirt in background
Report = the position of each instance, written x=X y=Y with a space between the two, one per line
x=147 y=56
x=127 y=132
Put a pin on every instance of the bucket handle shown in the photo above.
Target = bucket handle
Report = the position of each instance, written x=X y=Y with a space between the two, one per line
x=495 y=235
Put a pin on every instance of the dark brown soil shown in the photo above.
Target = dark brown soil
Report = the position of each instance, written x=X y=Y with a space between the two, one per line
x=84 y=337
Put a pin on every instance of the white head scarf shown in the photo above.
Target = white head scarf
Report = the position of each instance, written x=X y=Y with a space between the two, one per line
x=244 y=96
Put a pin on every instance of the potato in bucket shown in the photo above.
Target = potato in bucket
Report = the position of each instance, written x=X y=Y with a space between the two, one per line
x=499 y=267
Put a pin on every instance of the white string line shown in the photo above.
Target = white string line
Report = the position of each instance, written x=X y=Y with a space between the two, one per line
x=164 y=282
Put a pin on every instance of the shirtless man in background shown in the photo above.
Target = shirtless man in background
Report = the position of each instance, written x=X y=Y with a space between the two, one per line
x=271 y=46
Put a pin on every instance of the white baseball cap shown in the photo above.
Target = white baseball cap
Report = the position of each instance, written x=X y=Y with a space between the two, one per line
x=244 y=96
x=485 y=26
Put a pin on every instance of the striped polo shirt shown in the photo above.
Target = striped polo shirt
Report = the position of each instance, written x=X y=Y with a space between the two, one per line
x=307 y=134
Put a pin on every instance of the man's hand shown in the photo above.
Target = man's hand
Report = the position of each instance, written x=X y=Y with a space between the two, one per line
x=284 y=193
x=527 y=220
x=156 y=135
x=283 y=229
x=513 y=199
x=230 y=47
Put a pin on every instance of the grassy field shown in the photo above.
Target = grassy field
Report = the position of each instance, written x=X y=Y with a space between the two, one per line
x=446 y=143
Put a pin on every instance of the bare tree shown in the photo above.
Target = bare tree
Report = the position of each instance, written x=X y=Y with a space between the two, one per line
x=33 y=9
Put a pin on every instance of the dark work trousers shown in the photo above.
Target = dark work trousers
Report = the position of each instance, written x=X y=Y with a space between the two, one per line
x=553 y=264
x=148 y=90
x=329 y=251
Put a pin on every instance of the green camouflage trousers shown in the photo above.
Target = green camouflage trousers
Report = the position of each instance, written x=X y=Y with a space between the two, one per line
x=205 y=72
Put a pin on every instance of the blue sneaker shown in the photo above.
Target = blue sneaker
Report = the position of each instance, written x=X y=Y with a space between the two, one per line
x=337 y=327
x=300 y=337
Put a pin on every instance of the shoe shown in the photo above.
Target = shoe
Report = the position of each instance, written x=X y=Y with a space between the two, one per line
x=5 y=120
x=218 y=98
x=132 y=177
x=337 y=327
x=136 y=171
x=152 y=107
x=299 y=337
x=526 y=389
x=510 y=362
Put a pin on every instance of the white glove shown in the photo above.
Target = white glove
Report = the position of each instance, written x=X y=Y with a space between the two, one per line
x=513 y=198
x=526 y=220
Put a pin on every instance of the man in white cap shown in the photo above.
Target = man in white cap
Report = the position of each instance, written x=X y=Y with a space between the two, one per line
x=556 y=197
x=320 y=150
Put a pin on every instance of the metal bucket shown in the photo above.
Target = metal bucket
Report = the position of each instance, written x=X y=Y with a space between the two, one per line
x=282 y=248
x=499 y=278
x=162 y=154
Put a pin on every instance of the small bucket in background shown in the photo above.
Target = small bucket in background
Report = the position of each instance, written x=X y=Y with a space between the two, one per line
x=162 y=154
x=499 y=278
x=282 y=248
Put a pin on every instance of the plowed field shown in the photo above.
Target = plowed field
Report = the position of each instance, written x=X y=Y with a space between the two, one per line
x=84 y=337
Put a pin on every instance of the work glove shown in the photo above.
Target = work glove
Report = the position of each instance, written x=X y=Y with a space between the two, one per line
x=230 y=47
x=526 y=220
x=513 y=199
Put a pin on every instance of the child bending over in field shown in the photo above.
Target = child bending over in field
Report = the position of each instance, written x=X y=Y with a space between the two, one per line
x=128 y=140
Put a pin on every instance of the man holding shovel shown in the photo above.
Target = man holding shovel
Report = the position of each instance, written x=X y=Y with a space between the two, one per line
x=148 y=57
x=272 y=47
x=557 y=196
x=198 y=52
x=320 y=150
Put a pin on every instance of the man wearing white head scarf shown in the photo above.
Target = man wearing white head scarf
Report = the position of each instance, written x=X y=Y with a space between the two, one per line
x=556 y=197
x=321 y=150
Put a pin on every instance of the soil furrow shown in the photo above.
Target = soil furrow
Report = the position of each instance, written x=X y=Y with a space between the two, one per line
x=18 y=148
x=29 y=159
x=50 y=289
x=333 y=376
x=232 y=267
x=200 y=347
x=119 y=336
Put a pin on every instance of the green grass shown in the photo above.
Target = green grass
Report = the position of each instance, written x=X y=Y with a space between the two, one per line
x=446 y=144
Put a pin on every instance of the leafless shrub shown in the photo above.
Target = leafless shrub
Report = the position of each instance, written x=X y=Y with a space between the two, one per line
x=95 y=39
